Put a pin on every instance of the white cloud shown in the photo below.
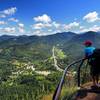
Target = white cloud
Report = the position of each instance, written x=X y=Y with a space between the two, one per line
x=40 y=33
x=94 y=28
x=57 y=31
x=91 y=17
x=71 y=25
x=10 y=11
x=3 y=22
x=7 y=12
x=81 y=27
x=13 y=20
x=21 y=25
x=2 y=16
x=74 y=24
x=52 y=27
x=83 y=30
x=56 y=25
x=45 y=26
x=41 y=25
x=38 y=26
x=21 y=30
x=8 y=30
x=37 y=32
x=44 y=18
x=50 y=30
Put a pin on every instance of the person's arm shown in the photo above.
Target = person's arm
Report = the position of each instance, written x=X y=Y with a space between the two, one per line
x=86 y=54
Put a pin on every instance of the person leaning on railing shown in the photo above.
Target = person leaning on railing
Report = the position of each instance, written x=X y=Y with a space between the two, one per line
x=94 y=71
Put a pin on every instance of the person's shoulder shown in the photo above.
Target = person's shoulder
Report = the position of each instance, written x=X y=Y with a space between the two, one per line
x=93 y=47
x=87 y=49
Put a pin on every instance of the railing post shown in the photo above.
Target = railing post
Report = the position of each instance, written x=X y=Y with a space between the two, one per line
x=79 y=68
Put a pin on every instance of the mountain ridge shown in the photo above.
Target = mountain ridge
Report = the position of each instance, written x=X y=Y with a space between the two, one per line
x=71 y=43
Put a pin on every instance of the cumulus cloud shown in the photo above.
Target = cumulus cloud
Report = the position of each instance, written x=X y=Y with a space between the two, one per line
x=7 y=12
x=74 y=24
x=71 y=25
x=10 y=11
x=38 y=26
x=38 y=32
x=56 y=25
x=42 y=33
x=94 y=28
x=44 y=18
x=57 y=31
x=91 y=17
x=13 y=20
x=81 y=27
x=3 y=22
x=21 y=25
x=47 y=26
x=21 y=28
x=8 y=30
x=44 y=29
x=2 y=16
x=41 y=25
x=50 y=30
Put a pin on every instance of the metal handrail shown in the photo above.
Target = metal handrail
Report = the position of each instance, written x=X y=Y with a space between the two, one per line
x=59 y=87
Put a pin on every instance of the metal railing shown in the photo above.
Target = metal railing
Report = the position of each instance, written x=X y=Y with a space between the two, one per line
x=60 y=85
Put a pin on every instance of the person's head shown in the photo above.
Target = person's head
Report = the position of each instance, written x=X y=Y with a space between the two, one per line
x=88 y=43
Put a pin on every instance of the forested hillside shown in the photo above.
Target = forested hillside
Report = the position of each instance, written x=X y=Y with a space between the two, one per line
x=30 y=65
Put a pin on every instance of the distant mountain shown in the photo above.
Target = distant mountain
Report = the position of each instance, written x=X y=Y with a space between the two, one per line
x=6 y=37
x=93 y=36
x=70 y=42
x=58 y=38
x=75 y=45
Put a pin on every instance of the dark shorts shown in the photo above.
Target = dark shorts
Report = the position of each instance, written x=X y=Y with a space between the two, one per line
x=95 y=68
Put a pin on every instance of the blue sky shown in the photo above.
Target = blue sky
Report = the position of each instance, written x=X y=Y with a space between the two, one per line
x=44 y=17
